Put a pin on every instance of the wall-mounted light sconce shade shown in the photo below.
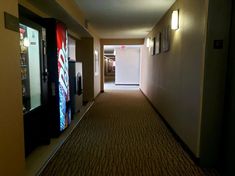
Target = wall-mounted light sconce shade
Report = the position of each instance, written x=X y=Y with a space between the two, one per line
x=148 y=42
x=175 y=20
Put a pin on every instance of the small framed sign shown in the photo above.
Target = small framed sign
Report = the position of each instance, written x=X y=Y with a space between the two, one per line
x=157 y=44
x=11 y=22
x=165 y=39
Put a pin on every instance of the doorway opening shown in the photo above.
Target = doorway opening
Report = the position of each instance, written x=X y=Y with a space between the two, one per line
x=122 y=66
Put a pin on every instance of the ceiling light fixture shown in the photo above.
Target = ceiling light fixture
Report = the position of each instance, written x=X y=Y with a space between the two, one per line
x=175 y=20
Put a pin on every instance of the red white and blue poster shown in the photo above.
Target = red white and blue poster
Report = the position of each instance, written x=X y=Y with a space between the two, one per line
x=62 y=54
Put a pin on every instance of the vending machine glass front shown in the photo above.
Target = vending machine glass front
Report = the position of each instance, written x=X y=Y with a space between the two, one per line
x=30 y=67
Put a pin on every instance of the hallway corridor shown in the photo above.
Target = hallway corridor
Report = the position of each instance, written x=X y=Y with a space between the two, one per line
x=122 y=135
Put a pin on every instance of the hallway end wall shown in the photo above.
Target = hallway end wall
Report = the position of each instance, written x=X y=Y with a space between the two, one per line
x=12 y=160
x=173 y=80
x=138 y=41
x=127 y=67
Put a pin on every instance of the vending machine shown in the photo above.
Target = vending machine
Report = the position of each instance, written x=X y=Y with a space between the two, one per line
x=57 y=54
x=34 y=84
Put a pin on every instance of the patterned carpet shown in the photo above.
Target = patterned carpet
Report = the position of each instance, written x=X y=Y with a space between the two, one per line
x=122 y=135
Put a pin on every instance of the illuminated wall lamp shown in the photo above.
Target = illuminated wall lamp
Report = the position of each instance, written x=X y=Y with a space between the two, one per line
x=175 y=20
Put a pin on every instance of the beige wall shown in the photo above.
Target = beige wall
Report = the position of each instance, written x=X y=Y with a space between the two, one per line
x=11 y=117
x=173 y=80
x=122 y=41
x=85 y=54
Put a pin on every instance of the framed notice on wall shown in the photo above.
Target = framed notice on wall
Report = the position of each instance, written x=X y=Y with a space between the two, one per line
x=151 y=47
x=96 y=61
x=165 y=39
x=157 y=44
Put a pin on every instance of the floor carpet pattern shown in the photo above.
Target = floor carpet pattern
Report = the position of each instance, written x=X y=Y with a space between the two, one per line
x=122 y=135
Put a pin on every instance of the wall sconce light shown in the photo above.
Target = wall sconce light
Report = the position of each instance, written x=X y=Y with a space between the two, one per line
x=175 y=20
x=148 y=42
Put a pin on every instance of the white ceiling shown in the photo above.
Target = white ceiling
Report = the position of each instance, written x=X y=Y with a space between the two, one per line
x=123 y=18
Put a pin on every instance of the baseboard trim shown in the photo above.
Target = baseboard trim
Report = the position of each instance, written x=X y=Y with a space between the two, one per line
x=195 y=159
